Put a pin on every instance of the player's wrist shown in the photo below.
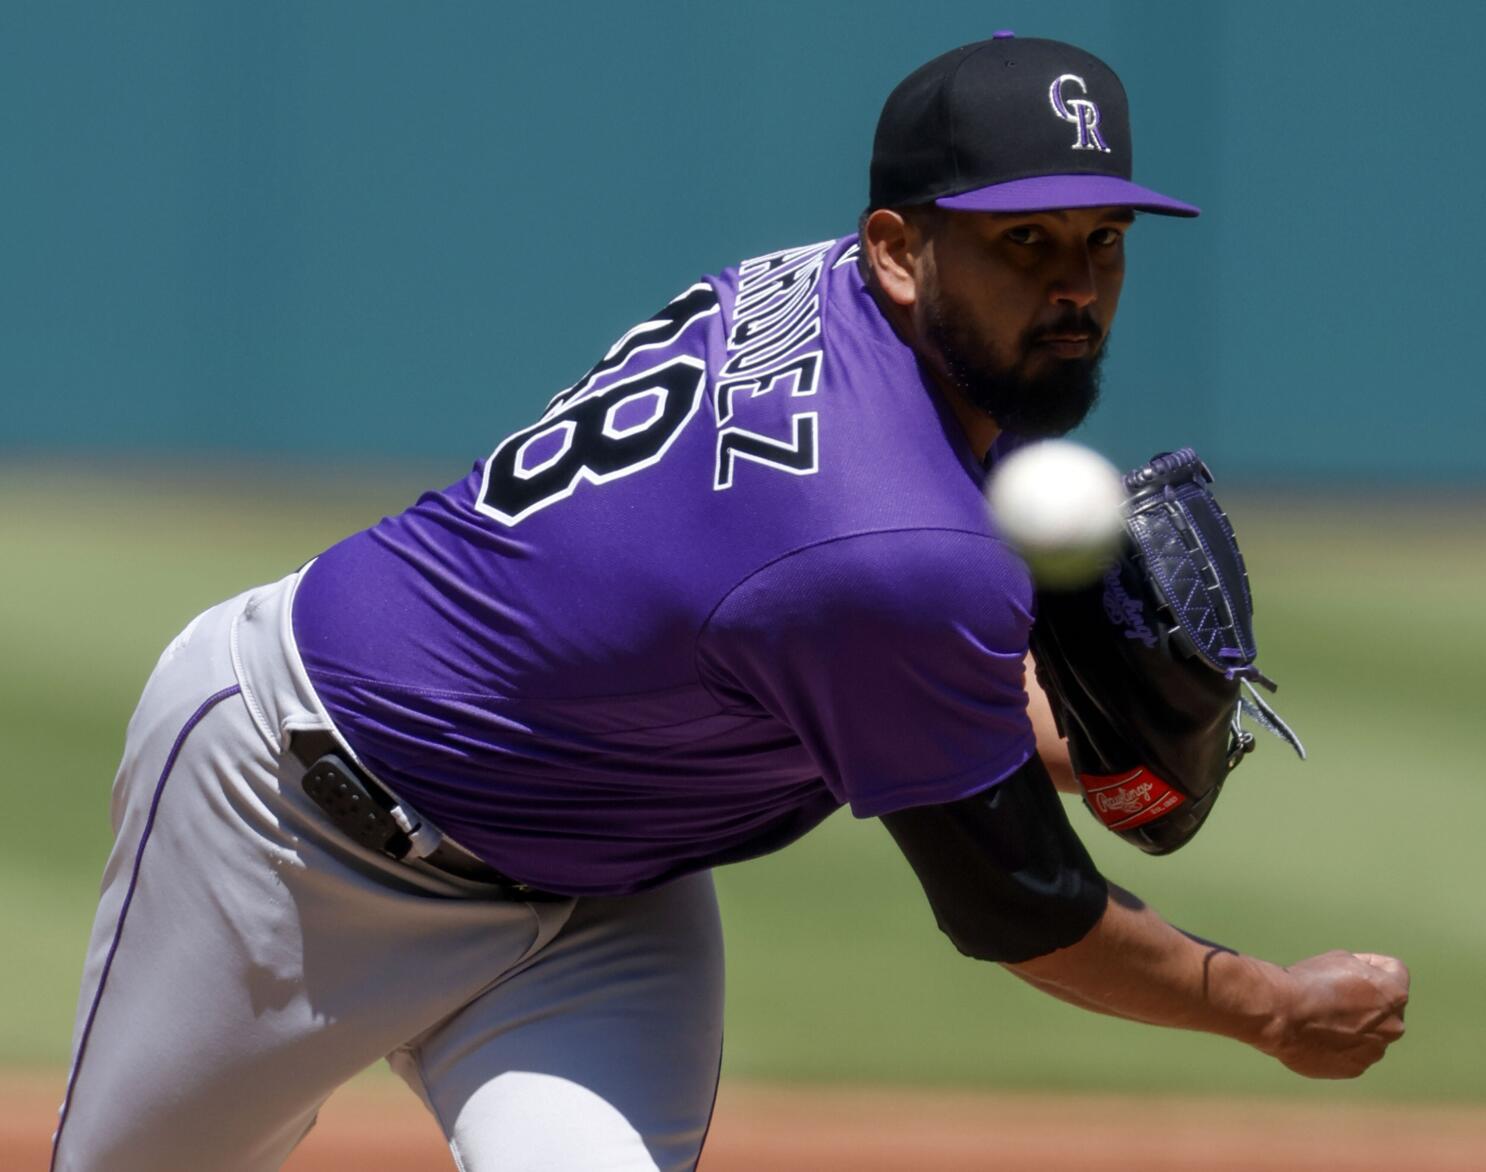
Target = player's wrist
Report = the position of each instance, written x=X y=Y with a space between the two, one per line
x=1249 y=1000
x=1267 y=1019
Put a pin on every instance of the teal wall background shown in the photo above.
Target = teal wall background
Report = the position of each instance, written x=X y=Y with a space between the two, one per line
x=386 y=231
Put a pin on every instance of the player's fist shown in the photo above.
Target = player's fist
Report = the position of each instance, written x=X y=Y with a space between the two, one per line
x=1343 y=1011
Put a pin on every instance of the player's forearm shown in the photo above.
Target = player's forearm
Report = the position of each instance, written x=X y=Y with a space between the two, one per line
x=1135 y=965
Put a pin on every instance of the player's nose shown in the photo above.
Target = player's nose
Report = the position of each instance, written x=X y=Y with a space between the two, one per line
x=1074 y=283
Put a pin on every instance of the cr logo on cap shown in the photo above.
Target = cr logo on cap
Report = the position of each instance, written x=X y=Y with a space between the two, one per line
x=1080 y=111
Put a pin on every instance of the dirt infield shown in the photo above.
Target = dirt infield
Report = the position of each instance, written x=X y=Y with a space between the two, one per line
x=378 y=1127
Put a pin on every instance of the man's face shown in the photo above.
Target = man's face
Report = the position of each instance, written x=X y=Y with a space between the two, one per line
x=1015 y=309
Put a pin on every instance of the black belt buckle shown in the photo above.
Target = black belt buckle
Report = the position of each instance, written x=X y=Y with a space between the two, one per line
x=334 y=786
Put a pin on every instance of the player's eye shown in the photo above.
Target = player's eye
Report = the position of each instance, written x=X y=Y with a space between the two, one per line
x=1106 y=237
x=1025 y=234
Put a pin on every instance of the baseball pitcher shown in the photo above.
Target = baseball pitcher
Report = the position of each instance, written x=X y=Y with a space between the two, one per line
x=450 y=794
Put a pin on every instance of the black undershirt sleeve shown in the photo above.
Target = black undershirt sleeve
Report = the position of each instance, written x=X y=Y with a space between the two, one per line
x=1006 y=875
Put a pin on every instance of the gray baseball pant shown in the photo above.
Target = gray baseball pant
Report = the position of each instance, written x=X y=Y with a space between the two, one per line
x=247 y=959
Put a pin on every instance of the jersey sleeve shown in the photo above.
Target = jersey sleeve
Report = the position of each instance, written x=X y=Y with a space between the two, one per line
x=896 y=657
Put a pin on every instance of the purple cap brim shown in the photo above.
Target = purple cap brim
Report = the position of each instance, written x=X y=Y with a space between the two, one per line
x=1046 y=193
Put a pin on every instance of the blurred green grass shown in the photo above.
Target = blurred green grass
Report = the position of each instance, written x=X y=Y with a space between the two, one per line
x=1368 y=614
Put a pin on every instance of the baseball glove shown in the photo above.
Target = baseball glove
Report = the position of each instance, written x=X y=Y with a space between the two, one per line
x=1150 y=669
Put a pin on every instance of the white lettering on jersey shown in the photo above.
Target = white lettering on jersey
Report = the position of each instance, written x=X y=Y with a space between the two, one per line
x=776 y=314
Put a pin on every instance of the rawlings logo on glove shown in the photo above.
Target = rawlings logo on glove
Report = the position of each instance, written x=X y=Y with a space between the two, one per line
x=1132 y=800
x=1126 y=611
x=1150 y=670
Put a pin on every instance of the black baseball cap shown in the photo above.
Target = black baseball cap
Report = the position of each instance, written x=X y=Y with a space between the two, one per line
x=1012 y=124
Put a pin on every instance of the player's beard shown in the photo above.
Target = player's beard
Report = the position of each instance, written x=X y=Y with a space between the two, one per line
x=1050 y=403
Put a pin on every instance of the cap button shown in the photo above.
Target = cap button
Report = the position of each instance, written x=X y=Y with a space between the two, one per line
x=1002 y=34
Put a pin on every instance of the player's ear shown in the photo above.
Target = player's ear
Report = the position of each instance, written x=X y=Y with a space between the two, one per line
x=892 y=246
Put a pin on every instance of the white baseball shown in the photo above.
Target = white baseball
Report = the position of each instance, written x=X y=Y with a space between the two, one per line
x=1059 y=503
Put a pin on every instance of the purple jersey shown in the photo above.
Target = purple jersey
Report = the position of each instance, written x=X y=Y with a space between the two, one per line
x=738 y=575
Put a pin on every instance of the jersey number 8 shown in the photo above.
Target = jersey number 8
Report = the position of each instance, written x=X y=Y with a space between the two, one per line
x=611 y=433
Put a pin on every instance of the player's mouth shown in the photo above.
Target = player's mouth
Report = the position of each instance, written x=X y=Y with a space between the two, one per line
x=1072 y=344
x=1072 y=334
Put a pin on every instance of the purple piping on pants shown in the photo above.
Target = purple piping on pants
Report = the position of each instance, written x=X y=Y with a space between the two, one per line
x=82 y=1046
x=712 y=1110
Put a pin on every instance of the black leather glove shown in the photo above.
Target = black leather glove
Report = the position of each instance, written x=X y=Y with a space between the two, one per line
x=1150 y=668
